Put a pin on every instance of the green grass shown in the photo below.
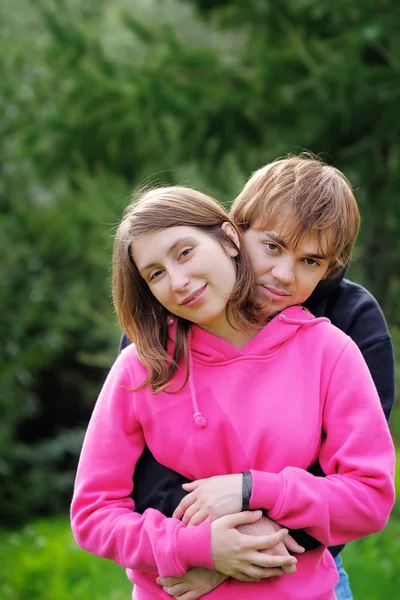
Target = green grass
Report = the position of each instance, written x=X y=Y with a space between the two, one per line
x=373 y=563
x=42 y=562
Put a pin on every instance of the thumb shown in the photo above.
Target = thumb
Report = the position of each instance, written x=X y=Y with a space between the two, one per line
x=243 y=518
x=192 y=485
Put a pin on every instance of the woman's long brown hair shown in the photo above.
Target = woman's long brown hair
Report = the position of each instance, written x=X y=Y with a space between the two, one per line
x=143 y=319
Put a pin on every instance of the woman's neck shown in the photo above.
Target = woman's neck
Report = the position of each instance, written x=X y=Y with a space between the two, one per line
x=235 y=336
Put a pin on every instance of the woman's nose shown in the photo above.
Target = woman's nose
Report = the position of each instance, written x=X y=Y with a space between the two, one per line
x=179 y=279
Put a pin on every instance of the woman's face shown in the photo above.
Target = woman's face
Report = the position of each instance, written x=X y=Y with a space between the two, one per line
x=188 y=272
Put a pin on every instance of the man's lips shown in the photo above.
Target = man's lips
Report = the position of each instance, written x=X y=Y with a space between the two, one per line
x=275 y=291
x=193 y=296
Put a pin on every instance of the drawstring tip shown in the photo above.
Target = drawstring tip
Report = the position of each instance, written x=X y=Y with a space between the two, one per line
x=199 y=420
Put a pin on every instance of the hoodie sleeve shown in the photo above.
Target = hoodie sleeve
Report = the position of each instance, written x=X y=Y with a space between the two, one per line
x=357 y=455
x=102 y=513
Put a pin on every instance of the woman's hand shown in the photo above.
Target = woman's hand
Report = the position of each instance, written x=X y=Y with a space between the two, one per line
x=210 y=498
x=194 y=584
x=266 y=526
x=243 y=556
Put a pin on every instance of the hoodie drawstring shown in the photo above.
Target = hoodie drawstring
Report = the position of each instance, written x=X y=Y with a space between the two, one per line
x=285 y=319
x=197 y=416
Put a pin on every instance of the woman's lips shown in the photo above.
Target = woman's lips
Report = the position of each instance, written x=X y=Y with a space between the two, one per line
x=193 y=298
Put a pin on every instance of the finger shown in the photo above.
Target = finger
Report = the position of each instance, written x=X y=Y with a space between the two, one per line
x=265 y=560
x=167 y=590
x=278 y=550
x=198 y=518
x=292 y=545
x=168 y=581
x=175 y=590
x=191 y=595
x=240 y=576
x=264 y=542
x=184 y=505
x=242 y=518
x=190 y=512
x=257 y=573
x=192 y=485
x=289 y=569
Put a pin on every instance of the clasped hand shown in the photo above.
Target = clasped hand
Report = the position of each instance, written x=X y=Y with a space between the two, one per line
x=246 y=546
x=210 y=498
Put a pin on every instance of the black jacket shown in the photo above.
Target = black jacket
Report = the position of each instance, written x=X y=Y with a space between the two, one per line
x=353 y=310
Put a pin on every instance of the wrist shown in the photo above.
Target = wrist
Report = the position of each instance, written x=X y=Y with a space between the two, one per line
x=247 y=487
x=266 y=493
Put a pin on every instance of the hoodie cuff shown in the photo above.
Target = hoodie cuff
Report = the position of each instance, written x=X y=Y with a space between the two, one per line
x=267 y=488
x=194 y=546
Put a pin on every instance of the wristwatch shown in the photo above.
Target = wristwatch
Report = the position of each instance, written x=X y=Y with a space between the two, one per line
x=247 y=486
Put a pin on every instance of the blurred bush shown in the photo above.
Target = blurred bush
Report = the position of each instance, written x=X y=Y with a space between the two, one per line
x=99 y=96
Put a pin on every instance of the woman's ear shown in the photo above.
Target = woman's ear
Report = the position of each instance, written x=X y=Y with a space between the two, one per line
x=231 y=232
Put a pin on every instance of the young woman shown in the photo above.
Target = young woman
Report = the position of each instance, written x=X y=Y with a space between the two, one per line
x=214 y=391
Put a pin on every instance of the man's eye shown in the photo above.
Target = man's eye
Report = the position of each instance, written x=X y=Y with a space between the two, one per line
x=185 y=252
x=271 y=246
x=311 y=262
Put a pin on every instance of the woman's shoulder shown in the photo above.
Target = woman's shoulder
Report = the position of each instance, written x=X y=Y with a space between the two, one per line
x=322 y=332
x=130 y=362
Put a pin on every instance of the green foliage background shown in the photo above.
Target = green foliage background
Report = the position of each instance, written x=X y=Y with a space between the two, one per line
x=97 y=97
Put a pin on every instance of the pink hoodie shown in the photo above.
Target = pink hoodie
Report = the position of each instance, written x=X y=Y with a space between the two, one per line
x=298 y=391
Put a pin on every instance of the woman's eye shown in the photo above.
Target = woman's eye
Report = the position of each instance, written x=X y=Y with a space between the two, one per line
x=154 y=275
x=311 y=262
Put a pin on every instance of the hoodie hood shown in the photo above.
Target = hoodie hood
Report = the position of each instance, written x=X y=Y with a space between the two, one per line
x=206 y=348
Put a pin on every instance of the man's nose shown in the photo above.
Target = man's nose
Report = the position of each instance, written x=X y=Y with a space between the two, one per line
x=284 y=271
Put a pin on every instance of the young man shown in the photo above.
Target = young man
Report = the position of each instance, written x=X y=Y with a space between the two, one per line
x=289 y=270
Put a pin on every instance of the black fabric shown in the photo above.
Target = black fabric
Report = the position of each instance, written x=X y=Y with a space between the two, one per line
x=247 y=488
x=352 y=309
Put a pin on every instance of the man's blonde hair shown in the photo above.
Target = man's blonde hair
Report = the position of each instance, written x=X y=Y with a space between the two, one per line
x=316 y=198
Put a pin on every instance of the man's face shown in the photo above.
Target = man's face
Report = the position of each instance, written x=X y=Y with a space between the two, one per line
x=284 y=276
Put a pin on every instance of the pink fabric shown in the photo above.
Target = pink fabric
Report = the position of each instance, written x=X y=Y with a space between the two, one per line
x=265 y=407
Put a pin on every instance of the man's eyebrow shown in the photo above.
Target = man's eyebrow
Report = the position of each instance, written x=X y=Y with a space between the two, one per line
x=170 y=250
x=276 y=239
x=282 y=243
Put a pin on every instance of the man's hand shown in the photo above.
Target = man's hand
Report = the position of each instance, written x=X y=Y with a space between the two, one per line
x=266 y=526
x=194 y=584
x=243 y=556
x=210 y=498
